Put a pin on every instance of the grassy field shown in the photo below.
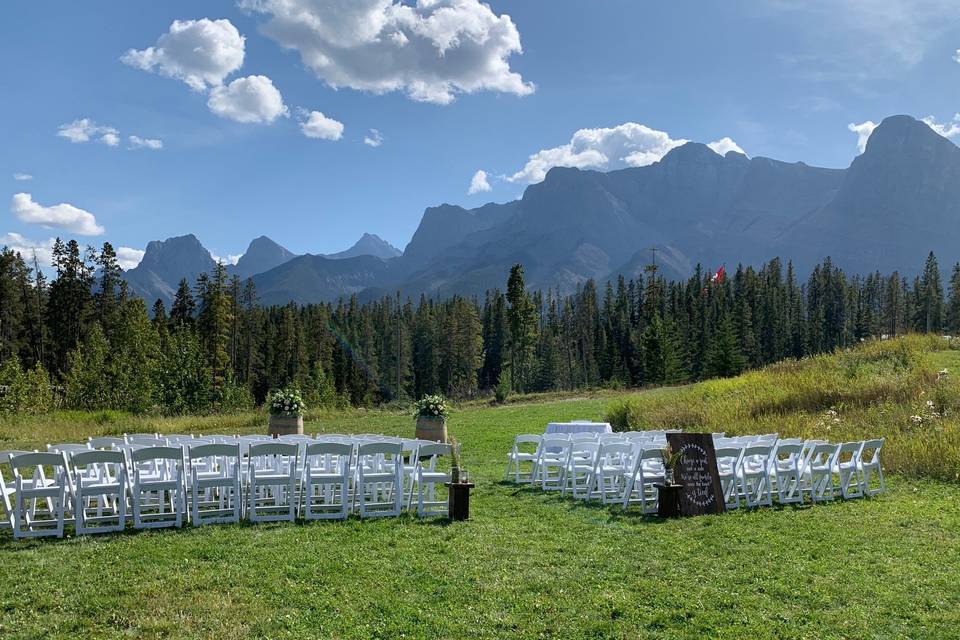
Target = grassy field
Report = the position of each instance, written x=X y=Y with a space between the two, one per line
x=530 y=565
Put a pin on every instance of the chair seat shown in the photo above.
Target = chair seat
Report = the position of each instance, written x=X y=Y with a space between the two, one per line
x=379 y=477
x=264 y=478
x=159 y=485
x=325 y=476
x=94 y=488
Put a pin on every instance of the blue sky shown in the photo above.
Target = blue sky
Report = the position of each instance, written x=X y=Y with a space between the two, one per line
x=778 y=79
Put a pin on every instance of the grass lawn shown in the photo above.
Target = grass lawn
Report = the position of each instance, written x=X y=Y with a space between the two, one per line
x=527 y=565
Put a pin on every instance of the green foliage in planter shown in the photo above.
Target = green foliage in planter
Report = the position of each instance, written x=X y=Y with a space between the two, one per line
x=286 y=402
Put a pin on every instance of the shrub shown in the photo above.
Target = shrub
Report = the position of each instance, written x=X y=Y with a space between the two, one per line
x=502 y=390
x=22 y=391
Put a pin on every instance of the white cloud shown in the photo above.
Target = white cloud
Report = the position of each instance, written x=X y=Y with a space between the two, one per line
x=608 y=148
x=85 y=130
x=252 y=99
x=200 y=52
x=59 y=216
x=128 y=258
x=373 y=138
x=136 y=142
x=316 y=125
x=947 y=129
x=627 y=145
x=863 y=131
x=431 y=49
x=229 y=259
x=27 y=248
x=725 y=145
x=479 y=183
x=22 y=177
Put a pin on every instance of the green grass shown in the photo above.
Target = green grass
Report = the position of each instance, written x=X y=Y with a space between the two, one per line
x=527 y=564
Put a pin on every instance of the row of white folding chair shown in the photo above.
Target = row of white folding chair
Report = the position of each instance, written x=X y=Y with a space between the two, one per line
x=154 y=478
x=614 y=471
x=751 y=471
x=793 y=468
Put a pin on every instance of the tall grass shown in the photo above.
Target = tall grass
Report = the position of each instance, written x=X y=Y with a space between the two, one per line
x=891 y=389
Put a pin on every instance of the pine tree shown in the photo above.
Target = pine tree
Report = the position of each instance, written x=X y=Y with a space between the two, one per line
x=723 y=356
x=953 y=307
x=929 y=311
x=522 y=323
x=184 y=307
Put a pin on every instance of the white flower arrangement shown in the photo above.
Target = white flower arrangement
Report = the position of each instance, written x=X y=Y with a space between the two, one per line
x=431 y=407
x=286 y=402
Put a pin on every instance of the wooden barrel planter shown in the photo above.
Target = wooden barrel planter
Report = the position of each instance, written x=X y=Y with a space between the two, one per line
x=434 y=429
x=285 y=425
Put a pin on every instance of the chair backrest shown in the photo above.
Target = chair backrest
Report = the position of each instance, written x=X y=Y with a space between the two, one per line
x=728 y=455
x=5 y=456
x=202 y=450
x=96 y=457
x=582 y=437
x=105 y=442
x=55 y=461
x=433 y=450
x=156 y=453
x=379 y=448
x=67 y=447
x=147 y=442
x=870 y=454
x=619 y=453
x=329 y=448
x=555 y=442
x=130 y=437
x=849 y=453
x=528 y=438
x=274 y=449
x=790 y=451
x=757 y=451
x=822 y=456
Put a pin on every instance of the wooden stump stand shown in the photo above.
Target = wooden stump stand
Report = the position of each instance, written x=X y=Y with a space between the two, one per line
x=458 y=502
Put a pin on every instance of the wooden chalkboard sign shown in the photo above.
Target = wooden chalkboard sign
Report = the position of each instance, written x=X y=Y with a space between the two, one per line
x=697 y=472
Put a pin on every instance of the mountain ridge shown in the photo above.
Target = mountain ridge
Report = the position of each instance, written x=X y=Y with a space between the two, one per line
x=896 y=201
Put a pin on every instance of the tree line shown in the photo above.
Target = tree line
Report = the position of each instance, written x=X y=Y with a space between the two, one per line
x=80 y=340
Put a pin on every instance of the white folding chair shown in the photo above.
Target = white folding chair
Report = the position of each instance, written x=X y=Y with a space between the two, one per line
x=728 y=463
x=379 y=481
x=785 y=471
x=754 y=475
x=8 y=487
x=870 y=465
x=520 y=454
x=612 y=467
x=40 y=484
x=272 y=481
x=158 y=486
x=647 y=471
x=817 y=472
x=552 y=461
x=579 y=468
x=325 y=482
x=427 y=479
x=847 y=465
x=100 y=491
x=215 y=492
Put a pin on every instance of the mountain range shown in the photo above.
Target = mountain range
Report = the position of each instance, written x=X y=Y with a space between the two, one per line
x=897 y=201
